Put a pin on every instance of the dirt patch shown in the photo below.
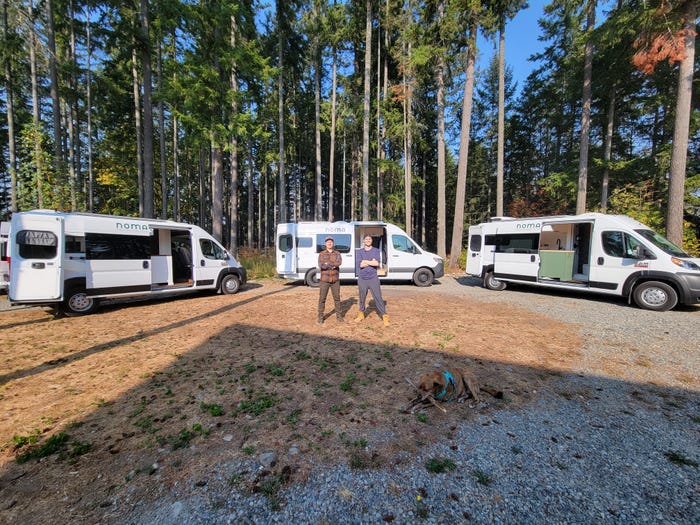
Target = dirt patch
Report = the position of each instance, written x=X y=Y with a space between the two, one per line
x=154 y=395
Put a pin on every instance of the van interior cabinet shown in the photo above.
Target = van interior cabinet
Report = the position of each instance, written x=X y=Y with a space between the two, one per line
x=162 y=269
x=557 y=264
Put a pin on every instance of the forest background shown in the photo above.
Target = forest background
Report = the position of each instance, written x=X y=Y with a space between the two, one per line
x=238 y=115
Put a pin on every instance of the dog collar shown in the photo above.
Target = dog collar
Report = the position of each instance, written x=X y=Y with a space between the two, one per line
x=449 y=380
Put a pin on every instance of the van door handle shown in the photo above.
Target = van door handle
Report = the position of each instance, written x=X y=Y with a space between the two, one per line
x=600 y=261
x=532 y=258
x=38 y=266
x=145 y=265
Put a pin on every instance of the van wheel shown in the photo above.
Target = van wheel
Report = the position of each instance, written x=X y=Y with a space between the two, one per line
x=313 y=278
x=77 y=302
x=230 y=284
x=422 y=277
x=491 y=283
x=654 y=295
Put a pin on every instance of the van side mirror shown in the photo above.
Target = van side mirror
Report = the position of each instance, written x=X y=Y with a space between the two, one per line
x=641 y=253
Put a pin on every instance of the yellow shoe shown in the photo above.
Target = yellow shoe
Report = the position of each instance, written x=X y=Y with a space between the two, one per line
x=385 y=318
x=360 y=317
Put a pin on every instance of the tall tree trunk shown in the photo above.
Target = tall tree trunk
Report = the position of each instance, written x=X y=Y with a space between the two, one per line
x=408 y=142
x=176 y=171
x=233 y=222
x=161 y=139
x=440 y=80
x=148 y=200
x=501 y=118
x=55 y=100
x=10 y=114
x=88 y=95
x=38 y=157
x=607 y=152
x=318 y=212
x=586 y=110
x=331 y=161
x=679 y=153
x=365 y=111
x=137 y=125
x=467 y=102
x=251 y=202
x=217 y=191
x=282 y=192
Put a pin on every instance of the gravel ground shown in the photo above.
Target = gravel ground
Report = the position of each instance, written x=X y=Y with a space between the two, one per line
x=596 y=447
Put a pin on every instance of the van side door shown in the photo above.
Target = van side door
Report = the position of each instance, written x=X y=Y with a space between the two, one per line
x=286 y=253
x=517 y=256
x=38 y=249
x=209 y=259
x=117 y=263
x=614 y=259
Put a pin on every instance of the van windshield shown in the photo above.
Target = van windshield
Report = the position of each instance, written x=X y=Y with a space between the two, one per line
x=662 y=242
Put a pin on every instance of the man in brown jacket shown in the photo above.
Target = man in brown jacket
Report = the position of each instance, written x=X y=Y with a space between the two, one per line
x=329 y=261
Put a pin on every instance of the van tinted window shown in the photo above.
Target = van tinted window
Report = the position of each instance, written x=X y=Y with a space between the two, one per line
x=341 y=242
x=211 y=250
x=515 y=242
x=284 y=243
x=117 y=247
x=37 y=244
x=620 y=244
x=403 y=244
x=475 y=243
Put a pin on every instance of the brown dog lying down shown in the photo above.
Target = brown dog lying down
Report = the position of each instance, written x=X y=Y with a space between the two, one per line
x=450 y=384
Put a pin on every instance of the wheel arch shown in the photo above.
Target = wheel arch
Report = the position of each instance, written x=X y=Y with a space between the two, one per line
x=670 y=279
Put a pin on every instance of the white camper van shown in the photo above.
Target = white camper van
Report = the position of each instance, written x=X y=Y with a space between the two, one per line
x=610 y=254
x=298 y=246
x=4 y=256
x=72 y=260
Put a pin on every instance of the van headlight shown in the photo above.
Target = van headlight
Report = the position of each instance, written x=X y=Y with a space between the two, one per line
x=438 y=260
x=685 y=264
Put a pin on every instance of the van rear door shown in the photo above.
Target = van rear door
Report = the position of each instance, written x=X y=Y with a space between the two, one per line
x=476 y=245
x=36 y=272
x=286 y=250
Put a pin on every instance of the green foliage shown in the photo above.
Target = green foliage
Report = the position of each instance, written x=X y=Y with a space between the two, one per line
x=439 y=465
x=52 y=445
x=258 y=265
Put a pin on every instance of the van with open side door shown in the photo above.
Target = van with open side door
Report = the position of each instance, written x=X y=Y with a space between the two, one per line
x=73 y=260
x=591 y=252
x=298 y=245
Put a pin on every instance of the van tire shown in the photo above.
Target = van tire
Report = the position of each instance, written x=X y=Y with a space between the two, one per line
x=491 y=283
x=655 y=295
x=77 y=303
x=230 y=284
x=313 y=278
x=423 y=277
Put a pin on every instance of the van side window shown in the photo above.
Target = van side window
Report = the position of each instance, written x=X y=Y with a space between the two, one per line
x=285 y=243
x=403 y=244
x=620 y=244
x=211 y=250
x=304 y=242
x=37 y=244
x=74 y=244
x=515 y=242
x=117 y=247
x=341 y=242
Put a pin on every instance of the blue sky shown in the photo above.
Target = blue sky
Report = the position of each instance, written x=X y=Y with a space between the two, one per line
x=522 y=34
